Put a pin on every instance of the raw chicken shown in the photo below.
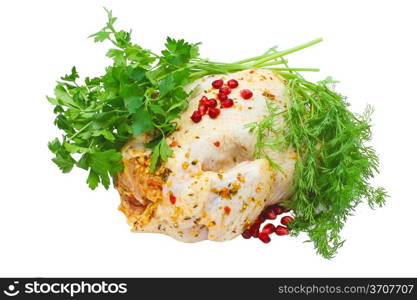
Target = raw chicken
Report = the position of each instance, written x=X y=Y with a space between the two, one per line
x=212 y=187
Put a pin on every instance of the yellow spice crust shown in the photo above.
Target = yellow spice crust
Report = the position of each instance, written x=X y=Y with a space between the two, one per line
x=140 y=190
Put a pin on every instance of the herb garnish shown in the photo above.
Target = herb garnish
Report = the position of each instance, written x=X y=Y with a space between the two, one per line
x=333 y=175
x=144 y=92
x=335 y=164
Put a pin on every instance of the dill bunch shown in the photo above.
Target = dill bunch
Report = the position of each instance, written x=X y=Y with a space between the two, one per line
x=336 y=163
x=335 y=166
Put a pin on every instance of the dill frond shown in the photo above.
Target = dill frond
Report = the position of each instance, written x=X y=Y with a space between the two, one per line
x=336 y=165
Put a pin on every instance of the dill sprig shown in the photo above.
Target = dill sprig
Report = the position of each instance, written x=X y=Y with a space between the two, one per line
x=270 y=134
x=336 y=164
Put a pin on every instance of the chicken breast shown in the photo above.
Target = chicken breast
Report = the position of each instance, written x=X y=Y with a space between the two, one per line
x=212 y=187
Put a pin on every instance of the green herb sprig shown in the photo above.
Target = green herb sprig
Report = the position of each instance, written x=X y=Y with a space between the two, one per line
x=335 y=166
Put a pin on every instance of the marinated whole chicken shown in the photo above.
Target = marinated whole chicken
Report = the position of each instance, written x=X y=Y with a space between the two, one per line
x=212 y=187
x=198 y=155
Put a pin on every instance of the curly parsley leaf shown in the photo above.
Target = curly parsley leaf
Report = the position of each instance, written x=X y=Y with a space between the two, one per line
x=142 y=122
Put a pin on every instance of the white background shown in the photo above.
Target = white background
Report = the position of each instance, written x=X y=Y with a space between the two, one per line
x=51 y=224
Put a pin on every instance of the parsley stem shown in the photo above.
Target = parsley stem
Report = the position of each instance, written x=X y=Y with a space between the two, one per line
x=81 y=130
x=274 y=63
x=251 y=59
x=266 y=55
x=295 y=69
x=286 y=52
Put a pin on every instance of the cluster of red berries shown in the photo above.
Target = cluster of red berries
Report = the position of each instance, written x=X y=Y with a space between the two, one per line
x=270 y=213
x=209 y=106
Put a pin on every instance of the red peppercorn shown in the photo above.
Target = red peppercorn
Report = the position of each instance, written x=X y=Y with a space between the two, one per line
x=172 y=199
x=261 y=218
x=281 y=230
x=270 y=214
x=287 y=219
x=202 y=109
x=258 y=222
x=211 y=103
x=225 y=90
x=254 y=229
x=227 y=103
x=232 y=83
x=227 y=209
x=217 y=143
x=246 y=94
x=213 y=112
x=278 y=209
x=255 y=232
x=246 y=234
x=217 y=83
x=268 y=228
x=203 y=100
x=196 y=116
x=222 y=96
x=264 y=237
